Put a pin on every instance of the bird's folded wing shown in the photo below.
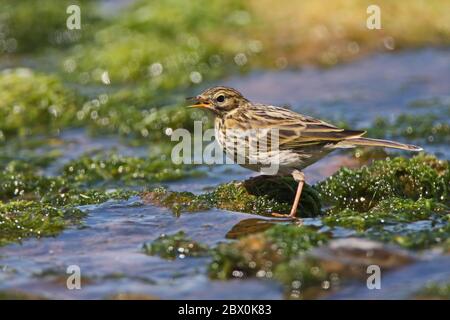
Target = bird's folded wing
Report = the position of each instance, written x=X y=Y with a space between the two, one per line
x=296 y=130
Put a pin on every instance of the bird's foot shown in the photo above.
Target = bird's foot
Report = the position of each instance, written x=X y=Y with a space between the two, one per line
x=287 y=217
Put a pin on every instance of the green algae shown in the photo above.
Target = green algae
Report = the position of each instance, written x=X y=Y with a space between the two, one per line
x=170 y=41
x=390 y=211
x=21 y=218
x=429 y=128
x=437 y=235
x=139 y=120
x=88 y=170
x=176 y=201
x=25 y=219
x=26 y=161
x=280 y=253
x=235 y=197
x=26 y=185
x=33 y=103
x=305 y=278
x=172 y=52
x=258 y=255
x=32 y=205
x=291 y=240
x=175 y=246
x=247 y=196
x=434 y=291
x=383 y=201
x=46 y=20
x=423 y=176
x=67 y=197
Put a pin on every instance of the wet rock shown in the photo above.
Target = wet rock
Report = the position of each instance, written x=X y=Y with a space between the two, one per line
x=176 y=201
x=325 y=269
x=282 y=189
x=250 y=226
x=259 y=254
x=342 y=255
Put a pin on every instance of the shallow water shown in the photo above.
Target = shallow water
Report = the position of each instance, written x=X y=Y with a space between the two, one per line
x=380 y=85
x=108 y=251
x=108 y=246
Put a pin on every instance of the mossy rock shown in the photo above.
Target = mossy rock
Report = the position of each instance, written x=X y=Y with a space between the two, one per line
x=25 y=219
x=248 y=196
x=282 y=190
x=423 y=176
x=390 y=211
x=176 y=201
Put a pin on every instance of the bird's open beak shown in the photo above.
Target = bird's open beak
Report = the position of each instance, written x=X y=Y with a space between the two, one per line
x=200 y=102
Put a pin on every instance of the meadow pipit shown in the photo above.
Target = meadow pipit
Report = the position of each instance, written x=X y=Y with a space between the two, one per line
x=302 y=140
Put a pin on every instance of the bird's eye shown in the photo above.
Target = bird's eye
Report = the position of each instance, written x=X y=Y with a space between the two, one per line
x=220 y=98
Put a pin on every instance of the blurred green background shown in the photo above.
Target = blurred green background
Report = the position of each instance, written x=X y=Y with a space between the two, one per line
x=128 y=68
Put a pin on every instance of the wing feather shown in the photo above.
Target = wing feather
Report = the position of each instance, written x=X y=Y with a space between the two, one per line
x=295 y=130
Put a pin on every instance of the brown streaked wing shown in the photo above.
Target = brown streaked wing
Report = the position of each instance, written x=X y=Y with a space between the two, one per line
x=295 y=130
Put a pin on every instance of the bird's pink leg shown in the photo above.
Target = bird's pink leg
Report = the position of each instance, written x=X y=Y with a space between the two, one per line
x=300 y=178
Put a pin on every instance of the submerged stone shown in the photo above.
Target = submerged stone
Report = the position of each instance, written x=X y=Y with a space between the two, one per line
x=174 y=246
x=358 y=252
x=258 y=254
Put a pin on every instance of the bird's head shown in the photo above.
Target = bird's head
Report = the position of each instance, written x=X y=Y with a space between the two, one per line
x=219 y=100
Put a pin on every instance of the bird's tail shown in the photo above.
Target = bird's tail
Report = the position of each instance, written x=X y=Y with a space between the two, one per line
x=353 y=142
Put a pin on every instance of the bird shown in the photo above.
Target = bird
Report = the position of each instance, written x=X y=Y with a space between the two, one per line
x=301 y=140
